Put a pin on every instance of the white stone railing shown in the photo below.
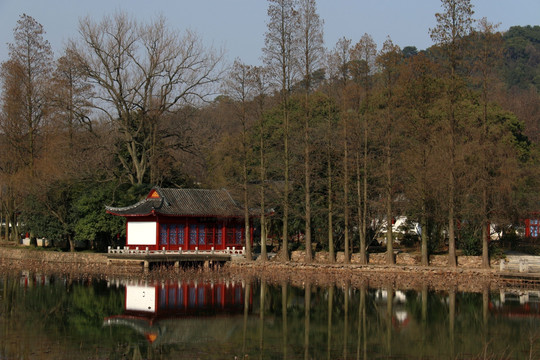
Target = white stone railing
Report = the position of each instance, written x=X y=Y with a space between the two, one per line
x=140 y=251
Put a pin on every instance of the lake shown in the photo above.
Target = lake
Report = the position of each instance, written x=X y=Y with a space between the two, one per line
x=48 y=317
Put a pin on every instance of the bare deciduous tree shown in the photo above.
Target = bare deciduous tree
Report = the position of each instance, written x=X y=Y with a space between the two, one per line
x=363 y=55
x=239 y=87
x=25 y=78
x=453 y=25
x=310 y=38
x=280 y=57
x=28 y=68
x=71 y=95
x=338 y=71
x=489 y=54
x=261 y=85
x=389 y=60
x=141 y=72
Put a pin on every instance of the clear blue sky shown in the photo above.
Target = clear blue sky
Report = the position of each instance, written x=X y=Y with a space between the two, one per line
x=239 y=25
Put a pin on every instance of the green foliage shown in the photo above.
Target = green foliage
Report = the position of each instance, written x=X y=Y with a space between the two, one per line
x=39 y=222
x=496 y=251
x=522 y=56
x=94 y=224
x=469 y=241
x=514 y=135
x=409 y=240
x=409 y=51
x=50 y=214
x=77 y=211
x=89 y=307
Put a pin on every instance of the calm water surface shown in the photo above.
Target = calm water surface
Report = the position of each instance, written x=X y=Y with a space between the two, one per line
x=43 y=317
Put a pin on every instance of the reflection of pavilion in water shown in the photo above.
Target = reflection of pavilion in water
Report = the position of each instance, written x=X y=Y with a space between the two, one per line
x=171 y=312
x=28 y=279
x=516 y=303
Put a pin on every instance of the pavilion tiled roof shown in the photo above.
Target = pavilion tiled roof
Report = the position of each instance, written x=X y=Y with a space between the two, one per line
x=182 y=202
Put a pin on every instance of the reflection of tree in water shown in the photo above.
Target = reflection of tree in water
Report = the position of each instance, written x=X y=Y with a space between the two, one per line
x=62 y=317
x=53 y=316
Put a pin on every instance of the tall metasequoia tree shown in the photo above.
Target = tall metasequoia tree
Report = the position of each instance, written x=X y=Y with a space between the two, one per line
x=489 y=54
x=363 y=54
x=30 y=62
x=13 y=157
x=310 y=39
x=421 y=90
x=339 y=73
x=65 y=154
x=389 y=60
x=239 y=88
x=140 y=73
x=71 y=96
x=280 y=56
x=25 y=78
x=259 y=78
x=453 y=25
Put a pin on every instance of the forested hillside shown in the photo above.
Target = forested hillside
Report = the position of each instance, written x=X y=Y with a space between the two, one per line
x=333 y=139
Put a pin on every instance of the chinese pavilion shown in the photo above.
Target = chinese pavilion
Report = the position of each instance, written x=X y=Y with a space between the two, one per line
x=184 y=219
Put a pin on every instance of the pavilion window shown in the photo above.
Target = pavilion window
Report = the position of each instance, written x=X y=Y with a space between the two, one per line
x=180 y=233
x=229 y=235
x=173 y=235
x=163 y=234
x=192 y=234
x=202 y=234
x=219 y=238
x=210 y=234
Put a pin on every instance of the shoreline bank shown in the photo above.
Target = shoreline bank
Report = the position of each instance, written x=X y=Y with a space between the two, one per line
x=14 y=259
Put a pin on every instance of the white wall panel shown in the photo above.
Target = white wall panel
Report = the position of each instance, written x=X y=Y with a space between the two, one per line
x=141 y=233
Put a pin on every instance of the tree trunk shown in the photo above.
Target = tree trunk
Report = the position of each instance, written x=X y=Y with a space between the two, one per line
x=485 y=177
x=309 y=255
x=153 y=158
x=362 y=198
x=249 y=255
x=331 y=253
x=363 y=255
x=264 y=254
x=14 y=226
x=285 y=254
x=71 y=243
x=452 y=261
x=346 y=193
x=4 y=221
x=389 y=238
x=424 y=236
x=485 y=231
x=389 y=216
x=451 y=233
